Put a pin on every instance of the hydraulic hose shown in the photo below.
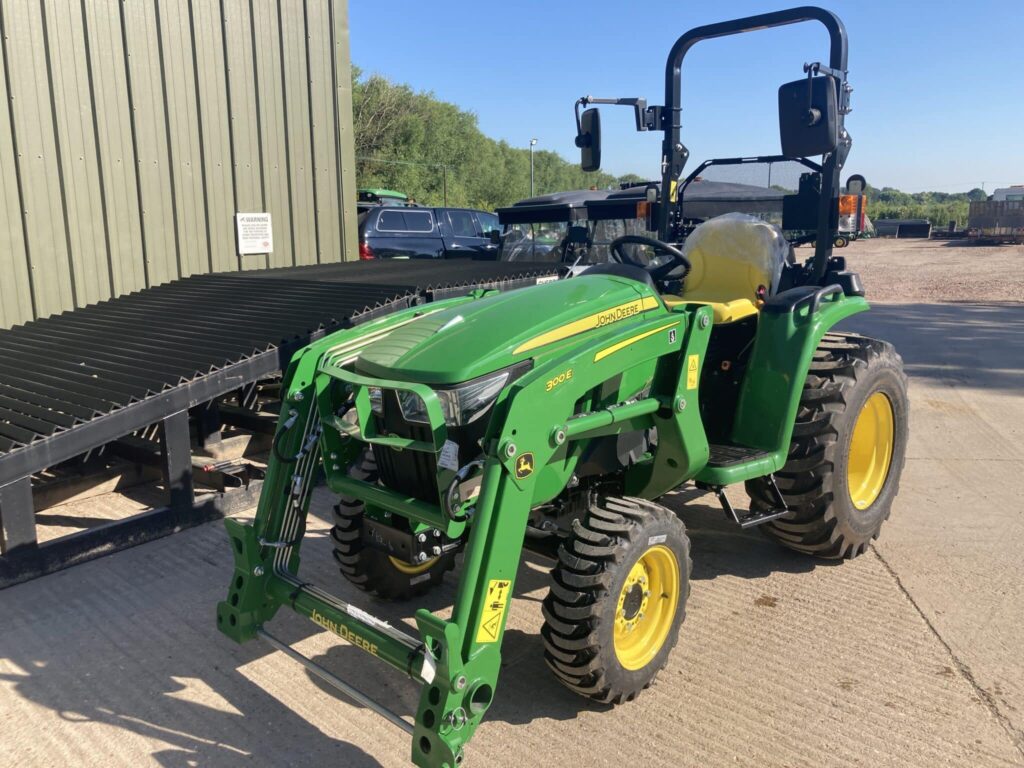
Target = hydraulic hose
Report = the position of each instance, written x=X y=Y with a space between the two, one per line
x=276 y=445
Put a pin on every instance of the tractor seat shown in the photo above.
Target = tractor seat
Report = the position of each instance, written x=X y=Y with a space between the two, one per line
x=736 y=262
x=722 y=311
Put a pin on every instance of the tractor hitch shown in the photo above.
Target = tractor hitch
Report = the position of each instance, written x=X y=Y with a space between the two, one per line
x=404 y=545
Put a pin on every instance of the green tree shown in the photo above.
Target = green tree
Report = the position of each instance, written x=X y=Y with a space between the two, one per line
x=631 y=179
x=938 y=207
x=415 y=143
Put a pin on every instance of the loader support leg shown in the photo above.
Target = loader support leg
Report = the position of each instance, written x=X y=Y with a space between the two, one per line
x=17 y=517
x=470 y=644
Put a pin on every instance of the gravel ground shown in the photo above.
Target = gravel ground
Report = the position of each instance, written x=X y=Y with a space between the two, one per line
x=935 y=270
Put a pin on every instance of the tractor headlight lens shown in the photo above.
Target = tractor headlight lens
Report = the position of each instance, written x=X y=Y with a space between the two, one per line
x=467 y=403
x=376 y=400
x=460 y=405
x=413 y=407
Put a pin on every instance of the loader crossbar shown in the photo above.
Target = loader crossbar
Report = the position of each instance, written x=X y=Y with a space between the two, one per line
x=455 y=661
x=528 y=455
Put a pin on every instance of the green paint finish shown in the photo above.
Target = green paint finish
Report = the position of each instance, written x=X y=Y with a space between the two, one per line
x=775 y=377
x=461 y=344
x=682 y=444
x=647 y=344
x=635 y=371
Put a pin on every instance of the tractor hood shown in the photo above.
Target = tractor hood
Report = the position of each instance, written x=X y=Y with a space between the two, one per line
x=478 y=337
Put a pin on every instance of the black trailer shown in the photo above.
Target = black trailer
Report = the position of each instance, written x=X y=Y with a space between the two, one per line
x=903 y=228
x=546 y=227
x=152 y=377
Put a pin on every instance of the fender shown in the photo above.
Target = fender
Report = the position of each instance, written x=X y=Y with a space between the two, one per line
x=789 y=329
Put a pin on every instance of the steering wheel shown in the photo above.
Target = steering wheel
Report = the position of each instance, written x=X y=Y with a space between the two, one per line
x=667 y=258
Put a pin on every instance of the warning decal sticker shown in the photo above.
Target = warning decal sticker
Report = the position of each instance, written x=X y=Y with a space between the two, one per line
x=494 y=610
x=692 y=367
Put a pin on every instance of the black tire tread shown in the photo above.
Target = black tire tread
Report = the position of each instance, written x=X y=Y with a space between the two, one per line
x=807 y=480
x=369 y=569
x=587 y=562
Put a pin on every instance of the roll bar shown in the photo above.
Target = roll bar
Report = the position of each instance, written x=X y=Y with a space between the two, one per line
x=674 y=154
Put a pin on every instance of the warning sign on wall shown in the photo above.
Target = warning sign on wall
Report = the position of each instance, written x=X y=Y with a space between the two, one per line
x=255 y=234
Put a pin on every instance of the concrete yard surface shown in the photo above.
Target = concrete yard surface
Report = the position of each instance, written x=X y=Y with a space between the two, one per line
x=954 y=539
x=911 y=655
x=782 y=661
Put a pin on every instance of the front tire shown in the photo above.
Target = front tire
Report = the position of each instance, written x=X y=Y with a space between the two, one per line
x=847 y=452
x=372 y=570
x=617 y=599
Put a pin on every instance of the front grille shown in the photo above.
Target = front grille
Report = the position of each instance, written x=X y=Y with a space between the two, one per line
x=414 y=472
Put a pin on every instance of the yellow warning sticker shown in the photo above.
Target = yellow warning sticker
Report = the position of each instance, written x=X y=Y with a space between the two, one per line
x=494 y=610
x=692 y=368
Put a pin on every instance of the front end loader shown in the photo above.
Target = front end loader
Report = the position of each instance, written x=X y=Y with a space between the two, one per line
x=555 y=417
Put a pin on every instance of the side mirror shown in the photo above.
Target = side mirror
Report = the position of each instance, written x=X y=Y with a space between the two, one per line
x=589 y=140
x=495 y=237
x=808 y=117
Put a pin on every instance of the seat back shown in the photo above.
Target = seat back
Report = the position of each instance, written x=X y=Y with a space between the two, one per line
x=733 y=257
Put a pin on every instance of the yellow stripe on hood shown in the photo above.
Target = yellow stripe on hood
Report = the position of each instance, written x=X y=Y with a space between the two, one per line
x=589 y=323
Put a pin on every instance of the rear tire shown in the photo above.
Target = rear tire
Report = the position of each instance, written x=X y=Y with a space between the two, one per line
x=837 y=479
x=371 y=569
x=617 y=599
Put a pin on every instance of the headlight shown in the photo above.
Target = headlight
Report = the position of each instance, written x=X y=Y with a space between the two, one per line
x=460 y=405
x=376 y=400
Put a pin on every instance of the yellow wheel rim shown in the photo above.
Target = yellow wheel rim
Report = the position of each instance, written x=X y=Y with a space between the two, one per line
x=647 y=607
x=871 y=448
x=409 y=568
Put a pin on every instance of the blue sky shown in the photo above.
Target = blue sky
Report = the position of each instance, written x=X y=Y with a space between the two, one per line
x=938 y=99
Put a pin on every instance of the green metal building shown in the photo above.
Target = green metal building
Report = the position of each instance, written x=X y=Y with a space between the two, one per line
x=135 y=130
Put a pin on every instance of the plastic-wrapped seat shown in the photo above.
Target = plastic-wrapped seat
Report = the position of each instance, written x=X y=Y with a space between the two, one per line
x=736 y=262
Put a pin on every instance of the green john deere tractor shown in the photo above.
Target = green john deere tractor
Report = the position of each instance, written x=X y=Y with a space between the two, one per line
x=561 y=413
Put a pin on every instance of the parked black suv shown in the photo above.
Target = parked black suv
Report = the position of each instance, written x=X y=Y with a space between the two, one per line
x=416 y=232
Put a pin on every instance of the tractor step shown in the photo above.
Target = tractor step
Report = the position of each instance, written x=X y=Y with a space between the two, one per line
x=750 y=519
x=724 y=455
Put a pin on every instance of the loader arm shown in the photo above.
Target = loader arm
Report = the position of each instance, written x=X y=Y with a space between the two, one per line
x=529 y=456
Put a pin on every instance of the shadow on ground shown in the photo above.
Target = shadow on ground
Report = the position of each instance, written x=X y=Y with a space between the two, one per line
x=139 y=666
x=975 y=344
x=718 y=548
x=162 y=644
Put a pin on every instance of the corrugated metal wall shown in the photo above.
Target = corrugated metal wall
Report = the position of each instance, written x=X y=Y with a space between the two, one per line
x=134 y=129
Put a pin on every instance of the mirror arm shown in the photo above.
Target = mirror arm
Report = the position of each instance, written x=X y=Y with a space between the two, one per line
x=579 y=126
x=843 y=90
x=647 y=118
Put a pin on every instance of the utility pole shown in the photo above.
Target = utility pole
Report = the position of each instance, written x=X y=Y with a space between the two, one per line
x=532 y=143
